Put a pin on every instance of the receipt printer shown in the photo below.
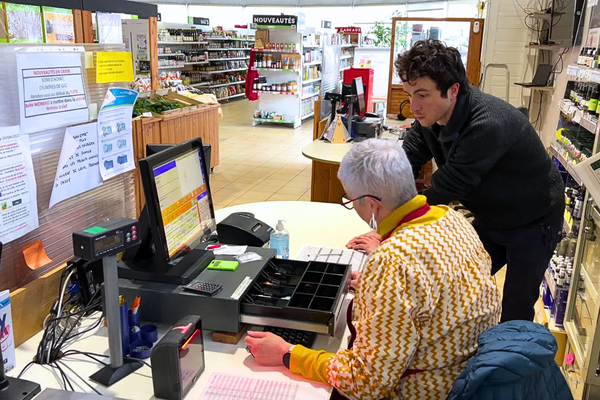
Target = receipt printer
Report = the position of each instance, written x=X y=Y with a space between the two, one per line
x=242 y=228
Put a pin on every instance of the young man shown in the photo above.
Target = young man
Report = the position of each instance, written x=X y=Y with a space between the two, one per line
x=490 y=158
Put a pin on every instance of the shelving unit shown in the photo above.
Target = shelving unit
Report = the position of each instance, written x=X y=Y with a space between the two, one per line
x=277 y=93
x=277 y=70
x=308 y=96
x=187 y=48
x=312 y=72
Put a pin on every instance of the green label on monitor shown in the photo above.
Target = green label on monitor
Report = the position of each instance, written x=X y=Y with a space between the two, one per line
x=95 y=230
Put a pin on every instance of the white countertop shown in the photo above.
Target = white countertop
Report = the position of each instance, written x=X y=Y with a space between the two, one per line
x=321 y=224
x=329 y=153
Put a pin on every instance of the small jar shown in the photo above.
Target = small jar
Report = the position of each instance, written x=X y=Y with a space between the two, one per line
x=284 y=87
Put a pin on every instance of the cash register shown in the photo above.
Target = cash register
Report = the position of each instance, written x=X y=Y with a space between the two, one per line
x=176 y=226
x=361 y=124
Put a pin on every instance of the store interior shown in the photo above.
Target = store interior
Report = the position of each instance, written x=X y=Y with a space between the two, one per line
x=262 y=86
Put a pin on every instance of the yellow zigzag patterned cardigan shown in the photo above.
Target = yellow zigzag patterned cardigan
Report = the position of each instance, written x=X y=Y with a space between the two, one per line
x=424 y=297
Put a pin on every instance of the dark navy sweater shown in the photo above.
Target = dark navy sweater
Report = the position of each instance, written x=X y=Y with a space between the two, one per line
x=491 y=159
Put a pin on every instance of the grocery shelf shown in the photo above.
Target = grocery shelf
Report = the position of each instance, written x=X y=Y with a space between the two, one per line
x=227 y=84
x=567 y=165
x=197 y=63
x=231 y=97
x=311 y=46
x=277 y=92
x=172 y=54
x=308 y=96
x=182 y=42
x=203 y=84
x=343 y=69
x=225 y=49
x=277 y=51
x=172 y=67
x=228 y=59
x=308 y=115
x=345 y=57
x=311 y=80
x=223 y=70
x=225 y=38
x=277 y=121
x=312 y=63
x=277 y=69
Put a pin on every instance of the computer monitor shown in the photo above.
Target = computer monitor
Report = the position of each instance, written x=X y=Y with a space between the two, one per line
x=179 y=215
x=359 y=90
x=152 y=149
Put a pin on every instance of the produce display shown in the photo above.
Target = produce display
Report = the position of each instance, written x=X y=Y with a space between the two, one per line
x=156 y=105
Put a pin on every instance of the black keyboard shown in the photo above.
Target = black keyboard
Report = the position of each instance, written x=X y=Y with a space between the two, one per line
x=293 y=336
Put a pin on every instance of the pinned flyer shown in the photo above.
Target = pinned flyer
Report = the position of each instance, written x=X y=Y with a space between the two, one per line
x=78 y=168
x=115 y=132
x=18 y=191
x=114 y=66
x=51 y=89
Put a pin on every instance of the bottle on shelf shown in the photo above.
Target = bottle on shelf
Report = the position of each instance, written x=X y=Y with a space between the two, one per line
x=594 y=62
x=580 y=58
x=595 y=94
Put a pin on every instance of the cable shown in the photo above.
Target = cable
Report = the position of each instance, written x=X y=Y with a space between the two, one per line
x=105 y=356
x=58 y=313
x=80 y=378
x=25 y=368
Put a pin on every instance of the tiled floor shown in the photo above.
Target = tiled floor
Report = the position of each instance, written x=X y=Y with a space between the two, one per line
x=259 y=163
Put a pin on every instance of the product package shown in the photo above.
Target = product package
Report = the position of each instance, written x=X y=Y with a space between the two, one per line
x=7 y=341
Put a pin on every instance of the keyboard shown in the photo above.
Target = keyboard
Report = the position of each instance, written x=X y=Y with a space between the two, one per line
x=293 y=336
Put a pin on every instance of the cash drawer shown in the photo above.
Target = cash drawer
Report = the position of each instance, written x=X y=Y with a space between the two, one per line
x=305 y=295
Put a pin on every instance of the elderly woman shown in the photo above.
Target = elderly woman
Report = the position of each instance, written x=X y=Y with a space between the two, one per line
x=424 y=297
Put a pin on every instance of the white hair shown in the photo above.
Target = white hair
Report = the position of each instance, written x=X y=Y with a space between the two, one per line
x=379 y=168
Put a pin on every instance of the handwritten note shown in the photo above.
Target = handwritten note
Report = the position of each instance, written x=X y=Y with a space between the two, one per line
x=78 y=167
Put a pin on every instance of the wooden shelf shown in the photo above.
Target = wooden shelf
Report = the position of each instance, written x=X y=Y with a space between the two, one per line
x=545 y=46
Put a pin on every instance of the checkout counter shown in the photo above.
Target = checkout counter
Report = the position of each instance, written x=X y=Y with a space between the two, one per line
x=302 y=218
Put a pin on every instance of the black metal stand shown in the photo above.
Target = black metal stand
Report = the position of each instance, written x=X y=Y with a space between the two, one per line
x=15 y=388
x=108 y=375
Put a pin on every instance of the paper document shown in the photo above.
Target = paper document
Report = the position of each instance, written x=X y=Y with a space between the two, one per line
x=233 y=387
x=18 y=192
x=310 y=252
x=51 y=89
x=115 y=138
x=227 y=250
x=78 y=167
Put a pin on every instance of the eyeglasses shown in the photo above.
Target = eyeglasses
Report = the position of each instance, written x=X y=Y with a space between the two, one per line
x=349 y=203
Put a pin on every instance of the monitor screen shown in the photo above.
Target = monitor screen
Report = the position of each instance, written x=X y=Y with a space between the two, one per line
x=360 y=93
x=184 y=201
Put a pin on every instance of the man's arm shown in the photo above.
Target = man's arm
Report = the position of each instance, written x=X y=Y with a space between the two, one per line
x=481 y=146
x=387 y=335
x=416 y=148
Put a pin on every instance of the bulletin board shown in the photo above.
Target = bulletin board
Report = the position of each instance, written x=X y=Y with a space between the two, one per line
x=114 y=198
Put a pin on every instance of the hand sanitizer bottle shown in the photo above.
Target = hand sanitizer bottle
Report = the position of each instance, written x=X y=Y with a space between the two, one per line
x=280 y=241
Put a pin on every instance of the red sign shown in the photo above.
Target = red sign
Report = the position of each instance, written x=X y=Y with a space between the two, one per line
x=348 y=29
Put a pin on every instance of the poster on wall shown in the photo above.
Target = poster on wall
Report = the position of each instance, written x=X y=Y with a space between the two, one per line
x=58 y=25
x=18 y=191
x=110 y=29
x=115 y=132
x=136 y=33
x=24 y=23
x=78 y=167
x=51 y=88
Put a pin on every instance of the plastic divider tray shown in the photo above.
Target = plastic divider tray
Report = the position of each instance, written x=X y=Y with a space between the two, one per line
x=318 y=289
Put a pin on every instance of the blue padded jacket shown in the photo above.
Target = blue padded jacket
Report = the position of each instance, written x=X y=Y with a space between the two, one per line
x=514 y=361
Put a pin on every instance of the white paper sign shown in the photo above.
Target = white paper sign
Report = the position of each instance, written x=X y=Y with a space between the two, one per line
x=18 y=201
x=115 y=137
x=78 y=167
x=51 y=90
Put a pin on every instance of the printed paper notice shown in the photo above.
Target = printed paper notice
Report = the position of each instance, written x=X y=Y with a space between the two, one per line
x=115 y=138
x=51 y=90
x=78 y=167
x=18 y=201
x=114 y=67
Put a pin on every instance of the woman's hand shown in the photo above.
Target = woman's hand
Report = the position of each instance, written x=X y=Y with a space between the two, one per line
x=367 y=242
x=267 y=348
x=354 y=277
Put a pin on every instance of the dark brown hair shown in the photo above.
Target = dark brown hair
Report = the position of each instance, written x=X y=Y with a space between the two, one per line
x=434 y=59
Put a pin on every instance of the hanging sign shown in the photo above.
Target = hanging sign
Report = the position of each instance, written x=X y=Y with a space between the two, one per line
x=281 y=21
x=198 y=21
x=348 y=29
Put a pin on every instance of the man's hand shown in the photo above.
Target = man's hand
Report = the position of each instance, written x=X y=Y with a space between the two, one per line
x=267 y=348
x=367 y=242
